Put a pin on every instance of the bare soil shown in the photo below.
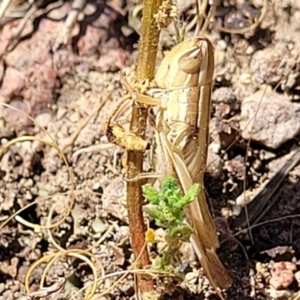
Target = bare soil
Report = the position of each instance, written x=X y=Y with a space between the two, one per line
x=60 y=86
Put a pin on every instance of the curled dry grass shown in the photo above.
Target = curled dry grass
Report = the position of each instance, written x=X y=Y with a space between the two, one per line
x=84 y=255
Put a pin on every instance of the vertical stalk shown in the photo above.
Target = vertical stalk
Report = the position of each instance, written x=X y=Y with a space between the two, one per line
x=145 y=71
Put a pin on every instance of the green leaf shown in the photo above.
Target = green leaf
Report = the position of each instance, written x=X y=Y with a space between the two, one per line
x=169 y=185
x=161 y=218
x=181 y=232
x=155 y=214
x=151 y=194
x=191 y=194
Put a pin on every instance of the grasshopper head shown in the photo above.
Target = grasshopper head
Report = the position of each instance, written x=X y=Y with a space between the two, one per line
x=189 y=64
x=190 y=61
x=199 y=59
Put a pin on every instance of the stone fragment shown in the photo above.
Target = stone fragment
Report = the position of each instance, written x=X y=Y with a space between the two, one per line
x=282 y=276
x=269 y=118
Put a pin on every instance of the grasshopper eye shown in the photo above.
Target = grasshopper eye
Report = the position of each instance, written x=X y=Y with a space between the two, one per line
x=190 y=62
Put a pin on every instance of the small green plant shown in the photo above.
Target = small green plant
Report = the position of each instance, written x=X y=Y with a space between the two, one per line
x=168 y=212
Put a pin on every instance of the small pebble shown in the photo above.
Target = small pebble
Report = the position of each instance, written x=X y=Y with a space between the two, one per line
x=246 y=78
x=43 y=119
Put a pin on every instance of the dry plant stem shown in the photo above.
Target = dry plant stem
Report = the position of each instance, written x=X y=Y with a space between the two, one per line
x=85 y=122
x=258 y=206
x=44 y=292
x=64 y=36
x=3 y=7
x=145 y=71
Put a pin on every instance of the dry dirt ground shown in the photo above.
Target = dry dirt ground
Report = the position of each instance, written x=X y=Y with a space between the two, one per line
x=255 y=126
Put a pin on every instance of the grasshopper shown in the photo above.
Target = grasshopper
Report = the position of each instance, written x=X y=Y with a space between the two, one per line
x=183 y=98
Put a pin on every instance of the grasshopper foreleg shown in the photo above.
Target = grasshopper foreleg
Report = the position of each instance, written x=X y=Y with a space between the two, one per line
x=117 y=134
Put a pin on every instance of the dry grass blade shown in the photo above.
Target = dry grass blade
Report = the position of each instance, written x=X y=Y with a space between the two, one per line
x=252 y=27
x=45 y=292
x=50 y=143
x=74 y=137
x=4 y=6
x=50 y=260
x=77 y=7
x=36 y=8
x=258 y=206
x=81 y=254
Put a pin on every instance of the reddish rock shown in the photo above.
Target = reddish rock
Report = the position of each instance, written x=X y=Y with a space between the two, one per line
x=31 y=75
x=13 y=82
x=36 y=68
x=282 y=276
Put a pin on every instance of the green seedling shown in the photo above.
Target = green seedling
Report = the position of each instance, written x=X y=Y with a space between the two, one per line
x=168 y=212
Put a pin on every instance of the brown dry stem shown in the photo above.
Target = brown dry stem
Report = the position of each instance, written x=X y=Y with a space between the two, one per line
x=145 y=72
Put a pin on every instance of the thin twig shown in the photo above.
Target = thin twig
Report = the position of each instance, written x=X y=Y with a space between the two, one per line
x=145 y=72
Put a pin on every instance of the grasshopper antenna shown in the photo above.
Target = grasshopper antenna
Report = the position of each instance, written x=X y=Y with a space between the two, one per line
x=200 y=10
